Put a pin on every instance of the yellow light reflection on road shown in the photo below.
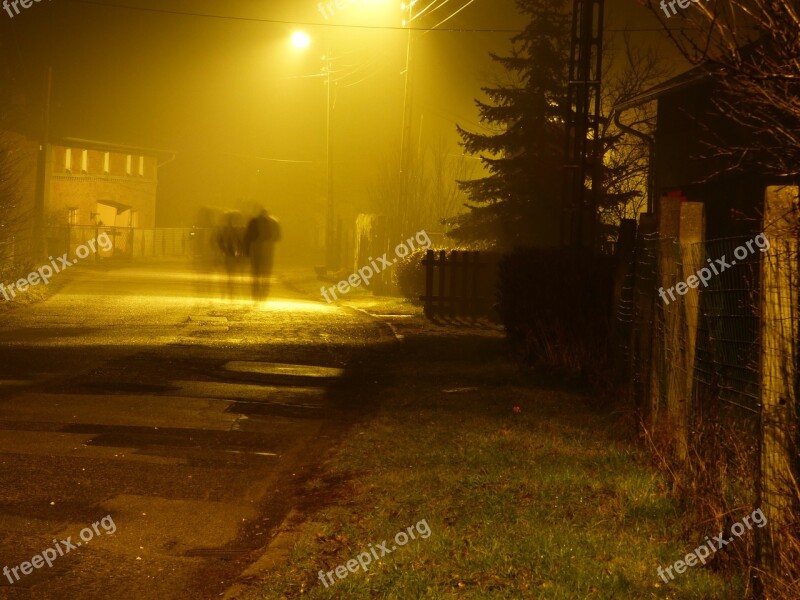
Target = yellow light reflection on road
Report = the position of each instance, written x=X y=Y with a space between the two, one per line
x=294 y=306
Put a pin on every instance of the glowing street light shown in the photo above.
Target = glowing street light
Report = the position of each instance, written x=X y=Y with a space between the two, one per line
x=300 y=40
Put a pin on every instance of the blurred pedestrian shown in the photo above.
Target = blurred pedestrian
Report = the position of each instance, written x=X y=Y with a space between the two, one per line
x=259 y=241
x=231 y=244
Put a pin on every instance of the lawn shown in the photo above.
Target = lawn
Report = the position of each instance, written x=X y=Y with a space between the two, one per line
x=527 y=487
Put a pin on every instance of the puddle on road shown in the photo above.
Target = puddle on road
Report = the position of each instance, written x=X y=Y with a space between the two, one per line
x=288 y=395
x=207 y=319
x=268 y=368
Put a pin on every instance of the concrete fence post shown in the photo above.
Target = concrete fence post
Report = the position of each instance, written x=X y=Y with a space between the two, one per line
x=684 y=334
x=669 y=219
x=779 y=339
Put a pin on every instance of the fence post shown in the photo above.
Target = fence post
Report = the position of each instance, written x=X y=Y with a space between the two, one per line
x=478 y=303
x=455 y=306
x=665 y=339
x=691 y=234
x=442 y=282
x=645 y=271
x=428 y=262
x=623 y=313
x=467 y=299
x=779 y=331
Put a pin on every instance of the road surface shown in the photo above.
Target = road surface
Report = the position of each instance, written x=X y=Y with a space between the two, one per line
x=186 y=421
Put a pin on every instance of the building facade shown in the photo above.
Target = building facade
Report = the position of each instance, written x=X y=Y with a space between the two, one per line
x=94 y=184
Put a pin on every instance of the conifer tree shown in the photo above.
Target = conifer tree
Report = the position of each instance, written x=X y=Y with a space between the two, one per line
x=518 y=201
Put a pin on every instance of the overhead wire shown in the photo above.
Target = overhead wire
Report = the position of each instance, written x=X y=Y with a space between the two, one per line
x=424 y=10
x=442 y=22
x=360 y=69
x=345 y=25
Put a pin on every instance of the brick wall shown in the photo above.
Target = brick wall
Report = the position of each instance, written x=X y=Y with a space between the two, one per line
x=76 y=188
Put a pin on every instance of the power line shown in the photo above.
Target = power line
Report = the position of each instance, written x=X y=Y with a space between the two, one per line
x=282 y=21
x=340 y=25
x=278 y=160
x=443 y=21
x=424 y=10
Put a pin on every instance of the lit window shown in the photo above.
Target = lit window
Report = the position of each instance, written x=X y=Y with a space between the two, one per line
x=84 y=161
x=68 y=160
x=72 y=216
x=141 y=166
x=106 y=162
x=128 y=160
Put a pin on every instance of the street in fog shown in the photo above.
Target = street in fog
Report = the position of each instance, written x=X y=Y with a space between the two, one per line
x=431 y=299
x=189 y=419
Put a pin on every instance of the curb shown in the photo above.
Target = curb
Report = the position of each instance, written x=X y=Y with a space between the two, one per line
x=276 y=554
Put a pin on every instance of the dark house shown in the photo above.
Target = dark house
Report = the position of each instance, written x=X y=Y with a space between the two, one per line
x=689 y=157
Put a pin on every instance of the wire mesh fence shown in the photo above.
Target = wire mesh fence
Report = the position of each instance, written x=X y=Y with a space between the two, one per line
x=713 y=350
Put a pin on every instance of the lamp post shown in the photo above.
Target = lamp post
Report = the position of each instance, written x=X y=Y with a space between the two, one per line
x=331 y=254
x=405 y=139
x=39 y=245
x=301 y=41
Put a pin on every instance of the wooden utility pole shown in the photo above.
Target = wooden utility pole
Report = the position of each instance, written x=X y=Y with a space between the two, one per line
x=331 y=248
x=38 y=242
x=405 y=139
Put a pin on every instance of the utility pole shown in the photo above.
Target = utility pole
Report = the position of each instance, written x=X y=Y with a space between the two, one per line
x=405 y=140
x=583 y=156
x=331 y=250
x=38 y=242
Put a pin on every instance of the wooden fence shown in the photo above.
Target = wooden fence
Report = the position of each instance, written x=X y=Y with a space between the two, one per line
x=456 y=284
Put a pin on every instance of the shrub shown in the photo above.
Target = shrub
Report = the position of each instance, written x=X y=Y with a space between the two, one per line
x=556 y=308
x=408 y=275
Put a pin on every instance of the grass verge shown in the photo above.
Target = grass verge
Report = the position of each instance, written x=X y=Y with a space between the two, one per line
x=528 y=490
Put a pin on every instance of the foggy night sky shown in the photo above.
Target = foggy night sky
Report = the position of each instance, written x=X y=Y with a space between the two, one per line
x=225 y=95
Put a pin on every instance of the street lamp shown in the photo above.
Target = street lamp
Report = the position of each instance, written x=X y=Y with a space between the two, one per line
x=301 y=41
x=405 y=136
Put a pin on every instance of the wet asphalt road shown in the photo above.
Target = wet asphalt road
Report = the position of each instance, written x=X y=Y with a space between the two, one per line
x=189 y=420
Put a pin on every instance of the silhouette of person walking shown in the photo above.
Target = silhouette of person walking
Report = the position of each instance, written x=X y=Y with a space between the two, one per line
x=230 y=244
x=259 y=241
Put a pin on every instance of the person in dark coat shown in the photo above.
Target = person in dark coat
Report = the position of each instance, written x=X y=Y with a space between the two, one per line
x=230 y=244
x=260 y=237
